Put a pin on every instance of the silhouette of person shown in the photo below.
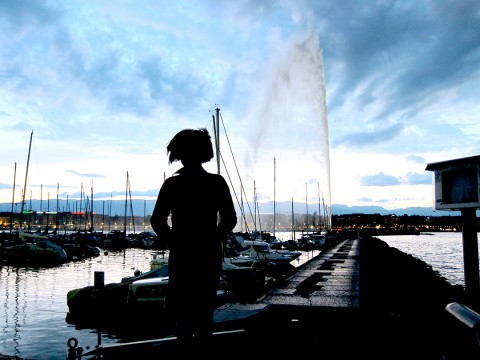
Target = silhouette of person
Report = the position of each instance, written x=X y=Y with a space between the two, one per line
x=201 y=212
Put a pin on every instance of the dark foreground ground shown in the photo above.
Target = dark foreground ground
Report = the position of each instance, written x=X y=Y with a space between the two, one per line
x=398 y=313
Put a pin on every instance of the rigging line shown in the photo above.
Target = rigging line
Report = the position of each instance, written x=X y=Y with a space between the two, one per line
x=131 y=205
x=234 y=193
x=242 y=188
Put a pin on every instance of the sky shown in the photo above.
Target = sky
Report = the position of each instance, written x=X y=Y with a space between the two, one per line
x=342 y=102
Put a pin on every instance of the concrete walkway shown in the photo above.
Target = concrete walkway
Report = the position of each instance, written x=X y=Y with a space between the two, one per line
x=359 y=299
x=330 y=280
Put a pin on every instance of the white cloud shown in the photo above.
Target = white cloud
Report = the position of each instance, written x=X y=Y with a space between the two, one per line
x=105 y=87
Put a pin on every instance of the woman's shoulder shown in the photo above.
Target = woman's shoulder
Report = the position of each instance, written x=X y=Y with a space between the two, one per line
x=215 y=177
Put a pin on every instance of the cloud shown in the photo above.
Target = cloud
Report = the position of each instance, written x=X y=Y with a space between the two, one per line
x=85 y=174
x=380 y=179
x=419 y=179
x=416 y=159
x=369 y=137
x=5 y=186
x=105 y=87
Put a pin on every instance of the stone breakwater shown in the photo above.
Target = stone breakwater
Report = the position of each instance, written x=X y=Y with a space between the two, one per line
x=397 y=283
x=358 y=299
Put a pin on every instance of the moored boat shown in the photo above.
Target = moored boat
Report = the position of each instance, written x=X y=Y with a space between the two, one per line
x=33 y=250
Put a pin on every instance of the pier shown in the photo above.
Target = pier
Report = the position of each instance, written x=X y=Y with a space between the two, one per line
x=359 y=299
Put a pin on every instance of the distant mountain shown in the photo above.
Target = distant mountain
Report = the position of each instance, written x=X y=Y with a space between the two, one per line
x=145 y=207
x=339 y=209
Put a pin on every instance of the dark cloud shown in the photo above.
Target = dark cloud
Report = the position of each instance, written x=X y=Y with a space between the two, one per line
x=182 y=90
x=368 y=138
x=417 y=47
x=21 y=14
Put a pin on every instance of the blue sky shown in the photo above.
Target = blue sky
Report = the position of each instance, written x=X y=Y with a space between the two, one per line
x=344 y=101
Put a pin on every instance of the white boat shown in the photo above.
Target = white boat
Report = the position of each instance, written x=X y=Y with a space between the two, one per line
x=262 y=250
x=149 y=290
x=159 y=259
x=312 y=239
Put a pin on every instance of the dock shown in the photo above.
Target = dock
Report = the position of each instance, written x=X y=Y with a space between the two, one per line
x=358 y=299
x=329 y=281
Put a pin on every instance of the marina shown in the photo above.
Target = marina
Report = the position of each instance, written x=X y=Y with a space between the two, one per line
x=34 y=307
x=105 y=87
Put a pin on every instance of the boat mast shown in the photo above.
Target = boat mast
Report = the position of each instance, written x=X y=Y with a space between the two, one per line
x=293 y=223
x=103 y=214
x=91 y=209
x=217 y=137
x=110 y=212
x=255 y=206
x=306 y=204
x=274 y=198
x=58 y=211
x=126 y=202
x=319 y=208
x=131 y=206
x=13 y=196
x=25 y=183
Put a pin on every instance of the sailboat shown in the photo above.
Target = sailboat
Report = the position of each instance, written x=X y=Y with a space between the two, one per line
x=32 y=249
x=116 y=239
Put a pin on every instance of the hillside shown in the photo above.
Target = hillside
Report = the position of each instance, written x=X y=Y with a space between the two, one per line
x=145 y=207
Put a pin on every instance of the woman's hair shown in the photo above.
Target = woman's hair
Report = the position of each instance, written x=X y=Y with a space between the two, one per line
x=190 y=144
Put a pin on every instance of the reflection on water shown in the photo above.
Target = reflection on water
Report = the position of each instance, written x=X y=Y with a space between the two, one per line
x=443 y=251
x=34 y=305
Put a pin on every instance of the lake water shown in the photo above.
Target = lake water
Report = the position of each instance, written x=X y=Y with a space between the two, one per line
x=443 y=251
x=33 y=304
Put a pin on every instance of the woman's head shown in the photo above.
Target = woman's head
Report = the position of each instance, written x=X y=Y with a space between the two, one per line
x=190 y=145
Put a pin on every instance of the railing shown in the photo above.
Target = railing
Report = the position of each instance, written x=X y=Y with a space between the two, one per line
x=462 y=333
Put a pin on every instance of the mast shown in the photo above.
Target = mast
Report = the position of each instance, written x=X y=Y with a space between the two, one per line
x=13 y=196
x=103 y=214
x=144 y=213
x=306 y=204
x=217 y=137
x=319 y=208
x=48 y=212
x=110 y=212
x=58 y=211
x=126 y=202
x=293 y=224
x=80 y=208
x=30 y=212
x=274 y=198
x=91 y=208
x=255 y=206
x=25 y=183
x=131 y=206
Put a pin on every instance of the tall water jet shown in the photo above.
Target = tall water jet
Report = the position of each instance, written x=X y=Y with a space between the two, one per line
x=292 y=125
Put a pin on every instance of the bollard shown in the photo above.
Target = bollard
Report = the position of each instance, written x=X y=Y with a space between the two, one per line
x=99 y=280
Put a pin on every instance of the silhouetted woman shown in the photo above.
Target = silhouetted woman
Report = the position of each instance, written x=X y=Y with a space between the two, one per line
x=201 y=213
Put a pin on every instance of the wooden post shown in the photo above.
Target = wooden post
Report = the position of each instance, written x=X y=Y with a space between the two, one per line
x=99 y=280
x=470 y=255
